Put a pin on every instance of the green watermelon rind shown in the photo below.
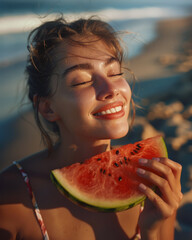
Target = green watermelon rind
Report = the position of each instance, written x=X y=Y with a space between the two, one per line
x=110 y=206
x=164 y=147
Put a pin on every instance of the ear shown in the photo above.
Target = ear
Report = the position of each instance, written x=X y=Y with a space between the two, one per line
x=45 y=109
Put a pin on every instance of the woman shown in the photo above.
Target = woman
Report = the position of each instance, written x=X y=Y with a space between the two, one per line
x=75 y=82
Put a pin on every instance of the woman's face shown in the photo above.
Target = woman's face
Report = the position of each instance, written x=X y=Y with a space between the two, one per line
x=92 y=99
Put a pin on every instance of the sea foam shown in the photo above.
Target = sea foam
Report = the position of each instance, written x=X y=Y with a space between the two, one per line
x=26 y=22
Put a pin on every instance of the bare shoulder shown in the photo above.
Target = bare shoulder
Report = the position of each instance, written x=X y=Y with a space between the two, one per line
x=15 y=202
x=12 y=185
x=11 y=182
x=11 y=191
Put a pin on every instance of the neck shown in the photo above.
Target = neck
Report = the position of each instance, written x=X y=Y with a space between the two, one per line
x=68 y=153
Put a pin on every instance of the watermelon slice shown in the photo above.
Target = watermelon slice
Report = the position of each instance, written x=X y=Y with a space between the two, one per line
x=108 y=181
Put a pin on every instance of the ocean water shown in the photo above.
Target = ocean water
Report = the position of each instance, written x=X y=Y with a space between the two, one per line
x=18 y=17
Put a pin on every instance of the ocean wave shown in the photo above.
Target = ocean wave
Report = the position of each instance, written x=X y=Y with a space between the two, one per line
x=26 y=22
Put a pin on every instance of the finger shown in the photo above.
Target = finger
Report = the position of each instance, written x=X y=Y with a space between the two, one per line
x=164 y=209
x=160 y=169
x=168 y=195
x=170 y=170
x=176 y=167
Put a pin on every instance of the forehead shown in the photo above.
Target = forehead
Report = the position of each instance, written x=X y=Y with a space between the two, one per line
x=69 y=54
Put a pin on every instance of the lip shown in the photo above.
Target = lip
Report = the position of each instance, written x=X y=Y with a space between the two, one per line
x=113 y=115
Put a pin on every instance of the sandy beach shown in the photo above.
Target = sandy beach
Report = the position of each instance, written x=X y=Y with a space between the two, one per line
x=169 y=54
x=163 y=91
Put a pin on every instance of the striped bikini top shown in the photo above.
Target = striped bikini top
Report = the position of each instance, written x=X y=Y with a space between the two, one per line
x=34 y=202
x=37 y=210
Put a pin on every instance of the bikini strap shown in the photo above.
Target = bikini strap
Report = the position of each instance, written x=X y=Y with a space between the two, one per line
x=34 y=202
x=138 y=235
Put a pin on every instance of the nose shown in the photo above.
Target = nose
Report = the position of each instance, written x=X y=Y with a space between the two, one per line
x=106 y=89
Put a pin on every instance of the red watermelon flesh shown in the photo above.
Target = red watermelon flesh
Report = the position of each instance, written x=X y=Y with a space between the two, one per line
x=108 y=181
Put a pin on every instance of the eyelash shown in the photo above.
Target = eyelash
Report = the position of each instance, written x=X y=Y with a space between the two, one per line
x=114 y=75
x=77 y=84
x=82 y=83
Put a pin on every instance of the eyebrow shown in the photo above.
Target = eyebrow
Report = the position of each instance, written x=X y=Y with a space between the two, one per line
x=87 y=66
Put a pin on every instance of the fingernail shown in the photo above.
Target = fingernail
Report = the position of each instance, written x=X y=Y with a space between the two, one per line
x=142 y=186
x=140 y=170
x=143 y=160
x=156 y=159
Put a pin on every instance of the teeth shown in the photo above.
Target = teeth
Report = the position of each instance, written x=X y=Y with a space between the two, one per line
x=118 y=109
x=113 y=110
x=109 y=111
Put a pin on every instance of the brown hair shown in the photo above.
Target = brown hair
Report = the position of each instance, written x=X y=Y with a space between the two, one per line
x=41 y=43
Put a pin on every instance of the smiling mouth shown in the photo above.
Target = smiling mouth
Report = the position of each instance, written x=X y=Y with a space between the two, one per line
x=109 y=111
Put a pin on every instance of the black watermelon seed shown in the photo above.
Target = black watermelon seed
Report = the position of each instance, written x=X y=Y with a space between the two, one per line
x=121 y=162
x=135 y=151
x=125 y=158
x=117 y=152
x=104 y=171
x=138 y=148
x=98 y=159
x=117 y=165
x=101 y=170
x=132 y=153
x=138 y=145
x=109 y=174
x=120 y=179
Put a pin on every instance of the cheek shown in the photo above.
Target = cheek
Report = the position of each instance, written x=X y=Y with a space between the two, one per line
x=125 y=90
x=81 y=102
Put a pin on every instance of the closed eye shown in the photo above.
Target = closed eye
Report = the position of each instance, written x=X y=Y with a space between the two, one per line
x=81 y=83
x=114 y=75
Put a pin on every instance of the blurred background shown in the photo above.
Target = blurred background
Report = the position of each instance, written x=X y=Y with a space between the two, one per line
x=158 y=50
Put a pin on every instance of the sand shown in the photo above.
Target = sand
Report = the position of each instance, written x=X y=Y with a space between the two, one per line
x=169 y=54
x=163 y=91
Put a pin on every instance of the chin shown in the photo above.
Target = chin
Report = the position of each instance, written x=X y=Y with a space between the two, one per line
x=118 y=132
x=120 y=135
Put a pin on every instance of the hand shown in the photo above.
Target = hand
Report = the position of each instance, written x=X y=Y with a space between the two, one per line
x=162 y=204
